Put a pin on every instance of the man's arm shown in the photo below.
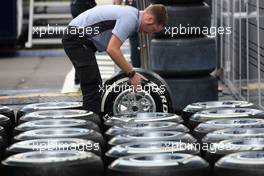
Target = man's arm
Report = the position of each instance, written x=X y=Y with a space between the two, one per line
x=115 y=53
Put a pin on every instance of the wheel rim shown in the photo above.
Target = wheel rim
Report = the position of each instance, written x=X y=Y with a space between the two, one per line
x=129 y=102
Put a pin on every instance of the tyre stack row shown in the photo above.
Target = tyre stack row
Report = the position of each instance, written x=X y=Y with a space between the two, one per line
x=55 y=138
x=185 y=57
x=7 y=123
x=151 y=143
x=231 y=136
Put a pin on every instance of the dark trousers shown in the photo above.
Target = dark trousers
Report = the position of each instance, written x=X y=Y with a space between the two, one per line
x=82 y=55
x=78 y=7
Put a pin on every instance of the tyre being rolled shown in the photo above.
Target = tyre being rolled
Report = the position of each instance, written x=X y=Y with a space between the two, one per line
x=150 y=148
x=159 y=164
x=213 y=125
x=56 y=144
x=61 y=114
x=220 y=113
x=48 y=106
x=191 y=109
x=152 y=136
x=144 y=127
x=241 y=164
x=52 y=163
x=119 y=98
x=8 y=112
x=120 y=120
x=55 y=123
x=50 y=133
x=223 y=148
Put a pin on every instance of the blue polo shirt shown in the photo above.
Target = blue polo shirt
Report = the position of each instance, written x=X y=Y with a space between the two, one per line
x=106 y=20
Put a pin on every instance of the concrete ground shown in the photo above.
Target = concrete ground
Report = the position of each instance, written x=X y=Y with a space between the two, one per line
x=33 y=72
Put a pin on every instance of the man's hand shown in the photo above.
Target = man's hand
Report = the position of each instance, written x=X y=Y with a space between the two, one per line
x=136 y=80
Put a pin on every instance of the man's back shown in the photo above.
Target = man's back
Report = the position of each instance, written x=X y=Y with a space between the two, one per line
x=103 y=13
x=121 y=21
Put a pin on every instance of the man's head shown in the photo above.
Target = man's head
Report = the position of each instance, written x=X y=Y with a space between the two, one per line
x=155 y=18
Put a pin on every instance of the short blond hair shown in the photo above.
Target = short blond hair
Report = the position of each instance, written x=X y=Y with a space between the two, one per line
x=159 y=12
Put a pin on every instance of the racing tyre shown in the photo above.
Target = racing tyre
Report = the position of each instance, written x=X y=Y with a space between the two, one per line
x=8 y=112
x=55 y=123
x=53 y=163
x=191 y=109
x=151 y=136
x=150 y=148
x=144 y=127
x=190 y=90
x=3 y=135
x=159 y=164
x=241 y=164
x=56 y=144
x=226 y=147
x=213 y=114
x=121 y=120
x=48 y=106
x=2 y=148
x=213 y=125
x=172 y=57
x=187 y=20
x=80 y=133
x=61 y=114
x=6 y=123
x=118 y=96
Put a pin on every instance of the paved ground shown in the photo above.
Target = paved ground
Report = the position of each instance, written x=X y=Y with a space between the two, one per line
x=33 y=72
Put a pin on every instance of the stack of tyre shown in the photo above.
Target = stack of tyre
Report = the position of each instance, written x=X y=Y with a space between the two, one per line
x=184 y=55
x=56 y=138
x=7 y=123
x=151 y=144
x=231 y=136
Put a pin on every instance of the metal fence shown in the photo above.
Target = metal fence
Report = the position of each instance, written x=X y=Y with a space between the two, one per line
x=241 y=53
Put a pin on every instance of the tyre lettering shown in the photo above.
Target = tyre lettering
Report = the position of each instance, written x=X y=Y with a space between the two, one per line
x=164 y=103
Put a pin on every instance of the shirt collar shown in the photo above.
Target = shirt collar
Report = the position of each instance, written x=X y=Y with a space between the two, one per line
x=140 y=16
